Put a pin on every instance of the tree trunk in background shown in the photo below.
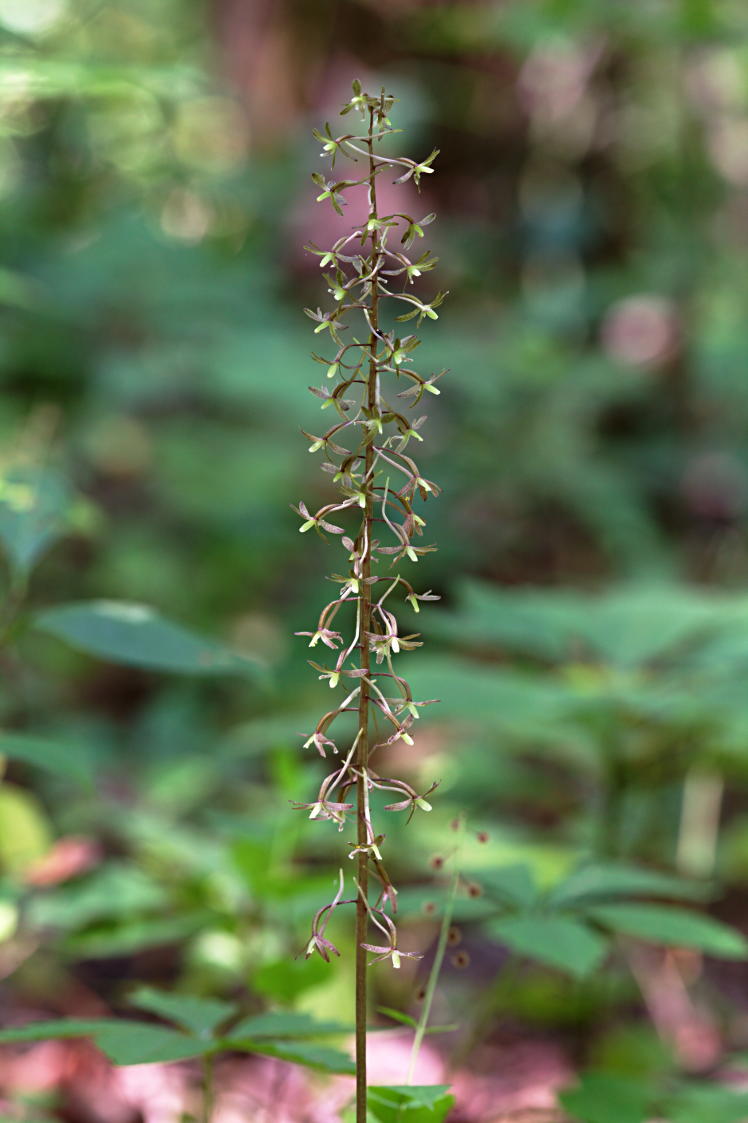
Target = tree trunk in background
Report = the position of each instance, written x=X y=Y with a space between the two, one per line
x=255 y=43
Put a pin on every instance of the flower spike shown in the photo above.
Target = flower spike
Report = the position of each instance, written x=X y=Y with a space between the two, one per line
x=370 y=385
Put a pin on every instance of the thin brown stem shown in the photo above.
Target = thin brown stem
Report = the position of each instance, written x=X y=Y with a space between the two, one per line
x=362 y=757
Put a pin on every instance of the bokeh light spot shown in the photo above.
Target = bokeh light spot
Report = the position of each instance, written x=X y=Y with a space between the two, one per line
x=31 y=16
x=641 y=330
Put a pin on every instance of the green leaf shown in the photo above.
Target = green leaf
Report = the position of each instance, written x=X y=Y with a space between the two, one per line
x=603 y=1097
x=708 y=1104
x=627 y=626
x=199 y=1015
x=125 y=1043
x=115 y=889
x=600 y=880
x=635 y=624
x=529 y=620
x=139 y=1043
x=661 y=924
x=136 y=634
x=129 y=1043
x=35 y=506
x=431 y=902
x=52 y=756
x=321 y=1057
x=407 y=1103
x=556 y=941
x=397 y=1016
x=411 y=1023
x=523 y=708
x=137 y=935
x=285 y=1023
x=512 y=885
x=285 y=979
x=53 y=1030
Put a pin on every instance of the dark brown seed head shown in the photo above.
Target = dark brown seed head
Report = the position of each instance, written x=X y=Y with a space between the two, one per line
x=454 y=936
x=461 y=960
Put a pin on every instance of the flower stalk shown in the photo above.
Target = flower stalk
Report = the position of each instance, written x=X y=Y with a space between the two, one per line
x=379 y=487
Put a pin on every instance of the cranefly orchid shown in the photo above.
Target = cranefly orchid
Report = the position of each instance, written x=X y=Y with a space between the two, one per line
x=370 y=388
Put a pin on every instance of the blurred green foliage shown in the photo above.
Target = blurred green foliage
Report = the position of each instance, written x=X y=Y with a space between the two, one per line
x=591 y=441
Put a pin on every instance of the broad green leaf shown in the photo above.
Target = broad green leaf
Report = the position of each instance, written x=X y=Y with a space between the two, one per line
x=35 y=508
x=139 y=1043
x=131 y=936
x=125 y=1043
x=626 y=626
x=113 y=890
x=250 y=857
x=18 y=291
x=531 y=620
x=425 y=901
x=556 y=941
x=136 y=634
x=708 y=1104
x=52 y=756
x=635 y=624
x=512 y=885
x=54 y=1030
x=603 y=1097
x=285 y=979
x=128 y=1043
x=199 y=1015
x=407 y=1103
x=285 y=1023
x=600 y=880
x=523 y=707
x=662 y=924
x=728 y=646
x=308 y=1053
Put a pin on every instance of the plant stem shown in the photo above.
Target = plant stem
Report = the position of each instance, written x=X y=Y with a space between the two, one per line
x=698 y=832
x=208 y=1090
x=362 y=752
x=436 y=966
